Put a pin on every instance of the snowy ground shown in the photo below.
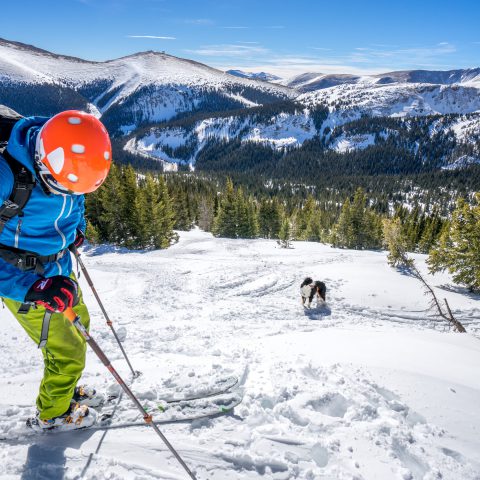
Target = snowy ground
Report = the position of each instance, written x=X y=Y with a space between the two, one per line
x=368 y=387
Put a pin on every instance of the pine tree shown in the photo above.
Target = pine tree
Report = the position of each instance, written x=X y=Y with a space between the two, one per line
x=358 y=226
x=458 y=250
x=284 y=236
x=246 y=216
x=343 y=234
x=252 y=217
x=395 y=241
x=143 y=215
x=225 y=223
x=164 y=217
x=183 y=214
x=205 y=214
x=92 y=234
x=432 y=228
x=130 y=215
x=241 y=215
x=269 y=218
x=309 y=221
x=110 y=219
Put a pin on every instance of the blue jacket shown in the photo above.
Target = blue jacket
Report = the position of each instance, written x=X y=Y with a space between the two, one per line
x=49 y=222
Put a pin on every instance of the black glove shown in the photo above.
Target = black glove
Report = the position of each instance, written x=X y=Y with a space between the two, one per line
x=79 y=239
x=55 y=293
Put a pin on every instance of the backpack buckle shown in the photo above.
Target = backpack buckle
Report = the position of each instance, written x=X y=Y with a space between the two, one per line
x=8 y=210
x=30 y=261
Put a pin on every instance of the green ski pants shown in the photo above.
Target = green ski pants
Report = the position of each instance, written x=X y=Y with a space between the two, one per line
x=63 y=356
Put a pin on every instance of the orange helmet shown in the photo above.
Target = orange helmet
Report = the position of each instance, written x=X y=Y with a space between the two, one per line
x=73 y=152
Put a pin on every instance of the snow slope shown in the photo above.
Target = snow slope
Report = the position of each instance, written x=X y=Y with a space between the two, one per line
x=24 y=63
x=367 y=387
x=148 y=86
x=262 y=76
x=311 y=81
x=345 y=143
x=280 y=131
x=351 y=102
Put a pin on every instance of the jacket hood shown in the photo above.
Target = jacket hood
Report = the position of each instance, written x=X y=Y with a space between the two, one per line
x=21 y=144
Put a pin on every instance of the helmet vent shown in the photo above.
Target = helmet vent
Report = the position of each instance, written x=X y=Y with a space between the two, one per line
x=106 y=155
x=72 y=177
x=77 y=148
x=74 y=120
x=56 y=159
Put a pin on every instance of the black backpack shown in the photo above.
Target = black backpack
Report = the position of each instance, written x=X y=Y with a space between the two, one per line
x=23 y=178
x=8 y=118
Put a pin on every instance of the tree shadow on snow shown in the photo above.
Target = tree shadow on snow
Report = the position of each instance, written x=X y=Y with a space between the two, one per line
x=318 y=312
x=404 y=270
x=460 y=290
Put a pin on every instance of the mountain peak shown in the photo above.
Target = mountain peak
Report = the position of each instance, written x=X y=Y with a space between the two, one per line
x=263 y=76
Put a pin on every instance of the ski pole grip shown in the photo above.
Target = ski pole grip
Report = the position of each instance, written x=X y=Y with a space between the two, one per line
x=70 y=314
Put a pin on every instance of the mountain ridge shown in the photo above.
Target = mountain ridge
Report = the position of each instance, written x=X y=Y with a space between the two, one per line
x=138 y=95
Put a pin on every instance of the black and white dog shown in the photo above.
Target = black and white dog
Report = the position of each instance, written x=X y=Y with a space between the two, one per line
x=310 y=289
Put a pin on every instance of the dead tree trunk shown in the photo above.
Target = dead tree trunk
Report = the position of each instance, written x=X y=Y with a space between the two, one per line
x=447 y=316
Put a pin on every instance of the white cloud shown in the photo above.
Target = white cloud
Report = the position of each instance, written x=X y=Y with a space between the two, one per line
x=360 y=61
x=236 y=28
x=152 y=37
x=199 y=21
x=287 y=69
x=229 y=50
x=411 y=55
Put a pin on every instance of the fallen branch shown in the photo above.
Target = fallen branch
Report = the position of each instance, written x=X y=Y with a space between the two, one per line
x=447 y=316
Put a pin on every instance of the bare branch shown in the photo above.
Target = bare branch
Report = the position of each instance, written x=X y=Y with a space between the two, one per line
x=435 y=303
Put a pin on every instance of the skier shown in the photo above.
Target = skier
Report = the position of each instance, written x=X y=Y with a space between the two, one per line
x=46 y=168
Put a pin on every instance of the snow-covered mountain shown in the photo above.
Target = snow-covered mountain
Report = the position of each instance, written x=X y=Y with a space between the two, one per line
x=308 y=82
x=369 y=386
x=184 y=143
x=127 y=92
x=143 y=96
x=265 y=77
x=348 y=102
x=311 y=81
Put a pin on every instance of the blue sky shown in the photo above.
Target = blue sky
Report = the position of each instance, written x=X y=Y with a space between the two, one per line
x=282 y=36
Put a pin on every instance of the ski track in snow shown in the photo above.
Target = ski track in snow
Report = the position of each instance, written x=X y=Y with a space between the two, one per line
x=366 y=387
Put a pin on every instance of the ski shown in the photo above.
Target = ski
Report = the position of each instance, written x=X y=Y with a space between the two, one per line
x=221 y=386
x=183 y=412
x=209 y=402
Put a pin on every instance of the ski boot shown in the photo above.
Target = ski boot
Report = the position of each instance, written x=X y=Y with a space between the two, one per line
x=85 y=395
x=77 y=417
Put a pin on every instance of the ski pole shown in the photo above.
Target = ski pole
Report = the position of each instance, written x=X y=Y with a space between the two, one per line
x=74 y=249
x=75 y=321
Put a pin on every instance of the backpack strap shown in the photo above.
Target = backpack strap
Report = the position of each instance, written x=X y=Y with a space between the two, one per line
x=23 y=184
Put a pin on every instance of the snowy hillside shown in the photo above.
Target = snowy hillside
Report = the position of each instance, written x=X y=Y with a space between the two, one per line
x=367 y=387
x=138 y=96
x=350 y=102
x=263 y=76
x=309 y=82
x=145 y=87
x=181 y=144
